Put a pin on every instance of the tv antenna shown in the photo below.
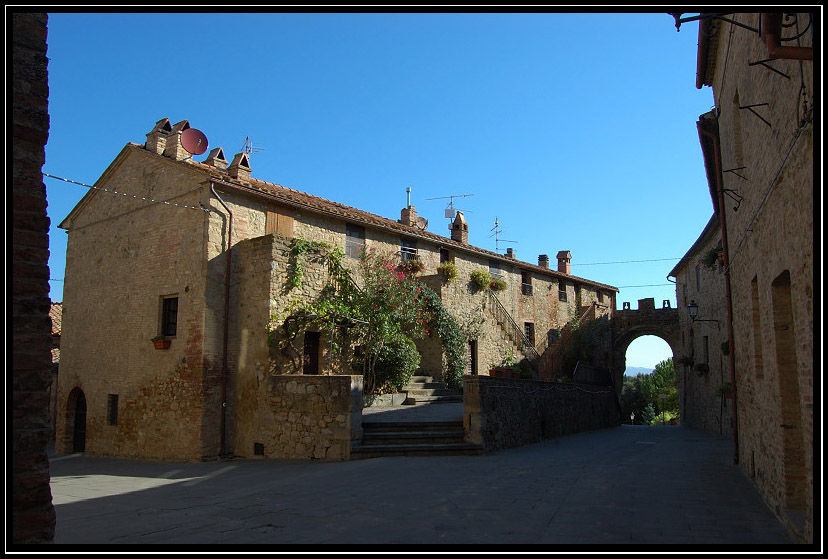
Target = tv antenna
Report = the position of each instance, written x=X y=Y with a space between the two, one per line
x=248 y=147
x=497 y=231
x=451 y=211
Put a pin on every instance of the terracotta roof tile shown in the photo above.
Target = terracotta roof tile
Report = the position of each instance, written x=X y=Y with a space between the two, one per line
x=56 y=314
x=325 y=206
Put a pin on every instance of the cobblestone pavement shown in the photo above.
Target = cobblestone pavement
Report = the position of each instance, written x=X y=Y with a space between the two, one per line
x=625 y=485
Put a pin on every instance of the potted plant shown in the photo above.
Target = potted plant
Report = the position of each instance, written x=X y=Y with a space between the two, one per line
x=498 y=284
x=481 y=278
x=449 y=271
x=160 y=342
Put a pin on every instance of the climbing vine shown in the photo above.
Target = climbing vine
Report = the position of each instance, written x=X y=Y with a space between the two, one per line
x=383 y=317
x=300 y=247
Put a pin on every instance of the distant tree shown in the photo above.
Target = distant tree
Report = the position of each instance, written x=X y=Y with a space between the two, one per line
x=649 y=415
x=632 y=397
x=663 y=381
x=643 y=390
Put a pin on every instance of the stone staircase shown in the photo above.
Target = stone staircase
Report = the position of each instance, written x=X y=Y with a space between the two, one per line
x=425 y=390
x=407 y=438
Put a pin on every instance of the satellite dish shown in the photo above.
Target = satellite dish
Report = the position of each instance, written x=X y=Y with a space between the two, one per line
x=194 y=141
x=421 y=223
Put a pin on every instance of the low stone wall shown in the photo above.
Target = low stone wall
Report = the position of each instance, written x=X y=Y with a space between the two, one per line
x=503 y=413
x=311 y=417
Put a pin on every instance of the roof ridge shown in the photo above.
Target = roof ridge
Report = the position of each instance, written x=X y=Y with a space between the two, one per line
x=358 y=214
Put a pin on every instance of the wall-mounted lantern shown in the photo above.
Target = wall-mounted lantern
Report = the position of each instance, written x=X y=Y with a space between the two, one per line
x=693 y=309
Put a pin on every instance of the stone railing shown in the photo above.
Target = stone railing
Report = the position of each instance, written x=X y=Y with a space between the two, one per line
x=503 y=413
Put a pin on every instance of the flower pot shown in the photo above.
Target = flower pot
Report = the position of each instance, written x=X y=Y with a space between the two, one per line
x=161 y=344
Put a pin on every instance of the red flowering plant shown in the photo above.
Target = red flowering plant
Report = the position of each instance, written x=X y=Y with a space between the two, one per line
x=390 y=305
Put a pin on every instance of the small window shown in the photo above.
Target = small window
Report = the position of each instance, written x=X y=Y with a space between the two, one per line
x=562 y=291
x=408 y=250
x=529 y=332
x=444 y=255
x=526 y=282
x=354 y=240
x=494 y=269
x=698 y=277
x=112 y=409
x=279 y=221
x=169 y=316
x=600 y=296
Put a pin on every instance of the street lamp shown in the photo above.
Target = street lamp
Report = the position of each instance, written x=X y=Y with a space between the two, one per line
x=693 y=309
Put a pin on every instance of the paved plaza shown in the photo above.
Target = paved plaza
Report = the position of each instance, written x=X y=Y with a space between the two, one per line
x=625 y=485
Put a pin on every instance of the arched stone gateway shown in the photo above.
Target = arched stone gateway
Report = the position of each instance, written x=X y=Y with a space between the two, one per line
x=628 y=325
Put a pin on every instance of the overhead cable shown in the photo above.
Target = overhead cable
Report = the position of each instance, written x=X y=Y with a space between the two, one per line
x=150 y=200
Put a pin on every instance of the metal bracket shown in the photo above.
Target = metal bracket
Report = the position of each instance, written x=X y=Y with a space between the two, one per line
x=707 y=18
x=735 y=197
x=750 y=108
x=762 y=62
x=733 y=170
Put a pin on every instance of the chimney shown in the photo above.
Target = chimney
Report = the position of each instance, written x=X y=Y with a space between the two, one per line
x=408 y=216
x=174 y=149
x=157 y=137
x=240 y=167
x=460 y=229
x=216 y=159
x=510 y=253
x=564 y=266
x=543 y=261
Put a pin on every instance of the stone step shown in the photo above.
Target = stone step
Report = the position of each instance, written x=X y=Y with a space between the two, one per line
x=422 y=385
x=418 y=400
x=413 y=437
x=410 y=438
x=447 y=449
x=400 y=426
x=443 y=391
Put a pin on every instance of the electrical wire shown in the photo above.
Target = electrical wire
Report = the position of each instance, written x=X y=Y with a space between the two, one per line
x=150 y=200
x=628 y=261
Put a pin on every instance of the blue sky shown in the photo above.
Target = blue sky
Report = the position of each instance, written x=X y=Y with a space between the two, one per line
x=575 y=131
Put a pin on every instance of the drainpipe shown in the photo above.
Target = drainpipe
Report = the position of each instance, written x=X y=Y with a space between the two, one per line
x=770 y=29
x=728 y=301
x=226 y=322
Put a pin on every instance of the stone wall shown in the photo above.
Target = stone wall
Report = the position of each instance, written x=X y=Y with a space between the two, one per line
x=123 y=256
x=771 y=254
x=33 y=516
x=504 y=413
x=702 y=367
x=306 y=417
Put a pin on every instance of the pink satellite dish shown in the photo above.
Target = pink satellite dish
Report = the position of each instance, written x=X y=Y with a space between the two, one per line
x=194 y=141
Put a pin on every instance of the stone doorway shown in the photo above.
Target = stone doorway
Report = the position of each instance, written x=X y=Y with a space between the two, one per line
x=76 y=422
x=311 y=361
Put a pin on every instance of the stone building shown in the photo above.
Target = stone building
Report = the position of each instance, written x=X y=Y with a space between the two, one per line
x=33 y=515
x=55 y=315
x=759 y=156
x=148 y=257
x=701 y=361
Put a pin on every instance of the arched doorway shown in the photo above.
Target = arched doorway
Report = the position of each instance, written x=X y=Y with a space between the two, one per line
x=76 y=421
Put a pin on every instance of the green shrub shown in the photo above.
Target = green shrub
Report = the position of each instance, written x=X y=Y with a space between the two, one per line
x=481 y=278
x=397 y=362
